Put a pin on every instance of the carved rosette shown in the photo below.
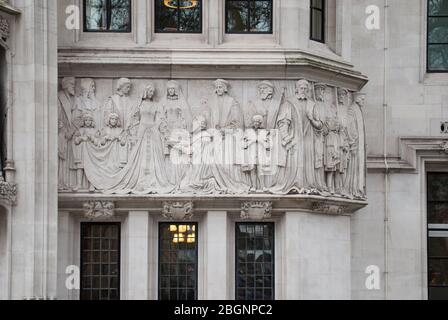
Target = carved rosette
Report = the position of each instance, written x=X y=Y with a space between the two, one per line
x=8 y=192
x=178 y=210
x=4 y=28
x=256 y=210
x=99 y=209
x=331 y=209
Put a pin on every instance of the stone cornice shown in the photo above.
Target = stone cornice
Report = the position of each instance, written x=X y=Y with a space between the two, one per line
x=191 y=63
x=410 y=150
x=231 y=203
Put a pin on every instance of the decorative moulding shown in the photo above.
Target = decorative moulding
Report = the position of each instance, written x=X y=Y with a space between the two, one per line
x=331 y=209
x=410 y=150
x=256 y=210
x=7 y=8
x=178 y=210
x=99 y=209
x=8 y=192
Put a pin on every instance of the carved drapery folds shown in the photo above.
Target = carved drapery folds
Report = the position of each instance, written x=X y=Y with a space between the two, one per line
x=99 y=209
x=150 y=138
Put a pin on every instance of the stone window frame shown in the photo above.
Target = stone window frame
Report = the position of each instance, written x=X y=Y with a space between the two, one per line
x=323 y=22
x=273 y=262
x=108 y=7
x=279 y=252
x=240 y=40
x=433 y=228
x=154 y=21
x=159 y=253
x=427 y=44
x=182 y=39
x=249 y=32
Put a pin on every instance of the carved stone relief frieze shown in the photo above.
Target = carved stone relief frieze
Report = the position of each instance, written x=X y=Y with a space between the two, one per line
x=149 y=137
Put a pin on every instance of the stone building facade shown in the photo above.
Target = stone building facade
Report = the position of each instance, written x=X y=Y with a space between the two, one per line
x=221 y=150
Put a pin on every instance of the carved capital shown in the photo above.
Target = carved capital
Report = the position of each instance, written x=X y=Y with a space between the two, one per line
x=256 y=210
x=325 y=208
x=99 y=209
x=178 y=210
x=8 y=192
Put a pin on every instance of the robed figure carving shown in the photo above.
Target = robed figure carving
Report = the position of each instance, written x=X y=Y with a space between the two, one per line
x=356 y=175
x=312 y=130
x=66 y=130
x=177 y=113
x=343 y=107
x=284 y=125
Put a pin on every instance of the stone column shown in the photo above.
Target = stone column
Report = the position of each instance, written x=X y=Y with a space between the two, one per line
x=65 y=254
x=34 y=247
x=137 y=264
x=216 y=277
x=317 y=256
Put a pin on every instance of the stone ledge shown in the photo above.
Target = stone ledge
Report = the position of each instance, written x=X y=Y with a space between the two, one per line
x=230 y=203
x=208 y=64
x=410 y=149
x=7 y=8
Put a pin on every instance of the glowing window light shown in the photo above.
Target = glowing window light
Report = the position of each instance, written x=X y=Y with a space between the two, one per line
x=173 y=228
x=183 y=4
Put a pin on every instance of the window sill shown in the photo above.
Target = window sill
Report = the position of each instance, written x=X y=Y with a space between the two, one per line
x=435 y=78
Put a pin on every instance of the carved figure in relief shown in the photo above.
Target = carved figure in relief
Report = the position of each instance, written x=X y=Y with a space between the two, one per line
x=113 y=133
x=343 y=105
x=312 y=127
x=66 y=130
x=86 y=103
x=316 y=119
x=122 y=104
x=257 y=146
x=153 y=145
x=203 y=176
x=356 y=134
x=177 y=114
x=87 y=133
x=331 y=131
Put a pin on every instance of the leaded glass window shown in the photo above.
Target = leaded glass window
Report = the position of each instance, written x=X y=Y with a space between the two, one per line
x=255 y=261
x=248 y=16
x=437 y=198
x=184 y=16
x=318 y=20
x=437 y=48
x=107 y=15
x=100 y=261
x=178 y=261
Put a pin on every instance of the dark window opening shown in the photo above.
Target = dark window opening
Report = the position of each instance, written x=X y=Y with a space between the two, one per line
x=178 y=16
x=249 y=16
x=437 y=36
x=437 y=197
x=178 y=261
x=100 y=261
x=317 y=20
x=107 y=15
x=255 y=274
